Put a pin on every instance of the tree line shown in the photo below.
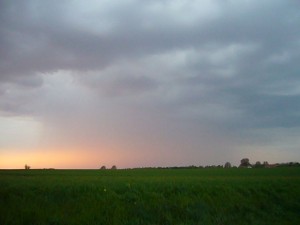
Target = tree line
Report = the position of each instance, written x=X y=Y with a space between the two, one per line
x=245 y=163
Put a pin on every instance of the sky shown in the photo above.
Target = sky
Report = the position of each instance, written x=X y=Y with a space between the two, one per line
x=137 y=83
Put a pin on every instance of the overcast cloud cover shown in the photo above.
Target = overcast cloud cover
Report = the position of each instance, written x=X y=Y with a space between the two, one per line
x=151 y=83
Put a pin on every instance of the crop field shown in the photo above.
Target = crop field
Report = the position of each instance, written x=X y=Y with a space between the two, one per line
x=151 y=196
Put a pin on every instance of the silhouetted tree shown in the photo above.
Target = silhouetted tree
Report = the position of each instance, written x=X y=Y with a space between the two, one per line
x=266 y=164
x=114 y=167
x=27 y=167
x=258 y=164
x=245 y=163
x=227 y=165
x=103 y=168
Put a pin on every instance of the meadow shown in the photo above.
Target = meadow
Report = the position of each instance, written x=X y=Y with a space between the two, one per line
x=151 y=196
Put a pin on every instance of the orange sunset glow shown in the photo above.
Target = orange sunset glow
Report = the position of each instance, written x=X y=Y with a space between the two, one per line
x=49 y=158
x=44 y=159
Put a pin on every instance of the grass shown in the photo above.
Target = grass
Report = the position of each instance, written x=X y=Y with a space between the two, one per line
x=151 y=196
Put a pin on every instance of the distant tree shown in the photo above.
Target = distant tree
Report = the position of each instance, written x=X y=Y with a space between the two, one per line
x=27 y=167
x=103 y=168
x=191 y=167
x=245 y=163
x=258 y=164
x=289 y=164
x=114 y=167
x=227 y=165
x=266 y=164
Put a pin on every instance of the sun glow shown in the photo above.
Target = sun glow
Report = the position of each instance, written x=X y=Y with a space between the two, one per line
x=59 y=159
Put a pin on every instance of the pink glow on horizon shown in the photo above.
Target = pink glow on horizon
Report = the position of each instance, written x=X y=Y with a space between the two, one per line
x=59 y=159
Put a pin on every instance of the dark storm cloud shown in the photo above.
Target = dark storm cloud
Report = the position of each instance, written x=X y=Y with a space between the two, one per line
x=54 y=38
x=54 y=35
x=241 y=58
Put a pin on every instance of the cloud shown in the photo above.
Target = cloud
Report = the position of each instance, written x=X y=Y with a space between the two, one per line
x=18 y=94
x=102 y=33
x=171 y=71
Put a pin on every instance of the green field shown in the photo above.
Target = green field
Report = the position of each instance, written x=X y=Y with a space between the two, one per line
x=151 y=196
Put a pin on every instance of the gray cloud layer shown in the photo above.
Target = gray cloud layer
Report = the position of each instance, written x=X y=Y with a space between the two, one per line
x=225 y=66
